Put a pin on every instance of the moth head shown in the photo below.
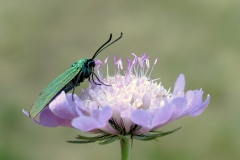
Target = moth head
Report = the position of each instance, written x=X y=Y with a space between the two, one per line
x=90 y=63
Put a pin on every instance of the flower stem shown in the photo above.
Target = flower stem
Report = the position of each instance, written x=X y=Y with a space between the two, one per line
x=125 y=148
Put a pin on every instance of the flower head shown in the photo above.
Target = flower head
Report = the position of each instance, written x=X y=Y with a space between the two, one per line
x=130 y=103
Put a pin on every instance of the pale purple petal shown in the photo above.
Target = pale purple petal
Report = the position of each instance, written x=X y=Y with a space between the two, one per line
x=85 y=123
x=102 y=115
x=179 y=85
x=141 y=117
x=201 y=108
x=179 y=105
x=126 y=117
x=193 y=98
x=161 y=116
x=63 y=106
x=48 y=119
x=98 y=119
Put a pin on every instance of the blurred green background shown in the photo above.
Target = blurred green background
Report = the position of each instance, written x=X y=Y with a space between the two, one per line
x=41 y=39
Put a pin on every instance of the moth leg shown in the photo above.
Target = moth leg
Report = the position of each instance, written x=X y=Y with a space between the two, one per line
x=78 y=77
x=93 y=79
x=99 y=79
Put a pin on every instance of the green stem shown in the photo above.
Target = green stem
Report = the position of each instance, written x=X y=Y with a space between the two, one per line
x=125 y=148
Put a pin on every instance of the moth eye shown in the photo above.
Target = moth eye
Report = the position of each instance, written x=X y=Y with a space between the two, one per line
x=91 y=64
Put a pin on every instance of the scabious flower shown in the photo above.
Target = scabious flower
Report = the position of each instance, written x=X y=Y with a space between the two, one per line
x=131 y=105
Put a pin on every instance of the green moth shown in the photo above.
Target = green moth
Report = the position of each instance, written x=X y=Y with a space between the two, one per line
x=68 y=80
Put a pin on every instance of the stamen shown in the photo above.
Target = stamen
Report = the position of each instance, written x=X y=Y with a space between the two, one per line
x=152 y=80
x=141 y=69
x=115 y=61
x=148 y=66
x=98 y=68
x=135 y=67
x=120 y=65
x=155 y=62
x=106 y=62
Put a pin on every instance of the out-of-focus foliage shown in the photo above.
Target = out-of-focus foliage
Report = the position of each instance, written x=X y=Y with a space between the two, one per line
x=41 y=39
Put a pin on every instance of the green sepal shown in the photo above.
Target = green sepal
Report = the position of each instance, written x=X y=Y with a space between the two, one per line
x=157 y=134
x=109 y=140
x=88 y=138
x=81 y=142
x=84 y=139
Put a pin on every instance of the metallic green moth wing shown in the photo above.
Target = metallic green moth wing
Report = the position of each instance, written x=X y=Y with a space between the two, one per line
x=68 y=80
x=55 y=87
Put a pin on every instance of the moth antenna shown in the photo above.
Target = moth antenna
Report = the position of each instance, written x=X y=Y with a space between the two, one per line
x=96 y=53
x=105 y=45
